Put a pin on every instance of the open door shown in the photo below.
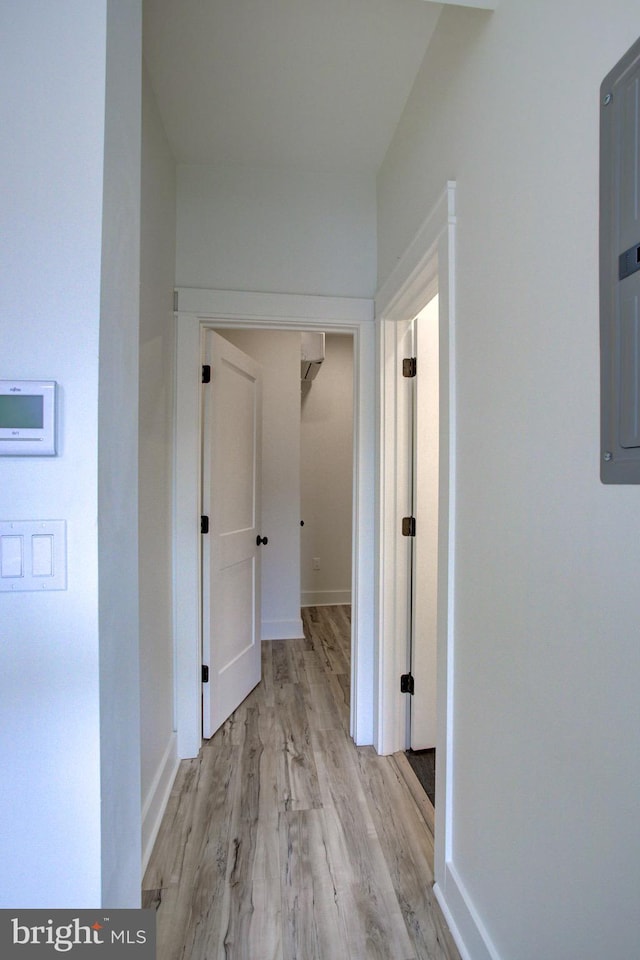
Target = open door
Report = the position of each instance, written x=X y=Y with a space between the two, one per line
x=232 y=417
x=424 y=585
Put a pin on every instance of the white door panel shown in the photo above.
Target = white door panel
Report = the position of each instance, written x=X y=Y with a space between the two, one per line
x=232 y=416
x=425 y=557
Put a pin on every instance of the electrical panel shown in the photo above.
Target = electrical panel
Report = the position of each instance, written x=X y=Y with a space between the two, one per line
x=620 y=271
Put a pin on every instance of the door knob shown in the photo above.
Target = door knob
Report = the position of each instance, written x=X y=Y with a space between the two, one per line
x=260 y=540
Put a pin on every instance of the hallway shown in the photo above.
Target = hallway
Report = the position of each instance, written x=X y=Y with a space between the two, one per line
x=283 y=841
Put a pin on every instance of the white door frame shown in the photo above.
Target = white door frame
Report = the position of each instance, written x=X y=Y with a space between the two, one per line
x=197 y=309
x=426 y=268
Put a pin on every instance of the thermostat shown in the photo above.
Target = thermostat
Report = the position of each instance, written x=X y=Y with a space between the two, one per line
x=27 y=418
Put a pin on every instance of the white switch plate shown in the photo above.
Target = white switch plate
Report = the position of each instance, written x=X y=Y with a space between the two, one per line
x=11 y=556
x=42 y=555
x=42 y=546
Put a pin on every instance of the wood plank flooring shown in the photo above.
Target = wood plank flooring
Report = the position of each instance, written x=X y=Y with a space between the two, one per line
x=284 y=841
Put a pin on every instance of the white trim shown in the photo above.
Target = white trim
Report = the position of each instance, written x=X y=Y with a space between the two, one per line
x=414 y=279
x=198 y=309
x=475 y=4
x=282 y=630
x=157 y=798
x=325 y=598
x=468 y=930
x=274 y=308
x=393 y=606
x=447 y=543
x=427 y=267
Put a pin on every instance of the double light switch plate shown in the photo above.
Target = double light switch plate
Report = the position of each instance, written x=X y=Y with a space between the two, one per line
x=33 y=555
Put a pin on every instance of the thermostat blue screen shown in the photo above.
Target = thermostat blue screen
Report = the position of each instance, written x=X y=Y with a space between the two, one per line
x=24 y=412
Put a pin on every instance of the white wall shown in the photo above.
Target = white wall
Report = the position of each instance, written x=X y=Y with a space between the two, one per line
x=327 y=476
x=158 y=244
x=58 y=649
x=118 y=462
x=276 y=230
x=546 y=751
x=278 y=352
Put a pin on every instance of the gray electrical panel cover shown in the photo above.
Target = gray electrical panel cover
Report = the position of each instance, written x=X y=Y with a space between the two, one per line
x=620 y=271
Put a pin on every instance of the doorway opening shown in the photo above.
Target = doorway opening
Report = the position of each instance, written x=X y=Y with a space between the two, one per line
x=426 y=269
x=198 y=310
x=298 y=490
x=424 y=386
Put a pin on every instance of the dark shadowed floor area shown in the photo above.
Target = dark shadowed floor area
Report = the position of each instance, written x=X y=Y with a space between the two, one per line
x=423 y=763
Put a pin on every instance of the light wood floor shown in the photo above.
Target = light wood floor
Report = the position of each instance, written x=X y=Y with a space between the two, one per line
x=283 y=841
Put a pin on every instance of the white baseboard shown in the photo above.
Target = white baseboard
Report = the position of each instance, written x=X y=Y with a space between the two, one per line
x=324 y=598
x=467 y=929
x=282 y=629
x=157 y=798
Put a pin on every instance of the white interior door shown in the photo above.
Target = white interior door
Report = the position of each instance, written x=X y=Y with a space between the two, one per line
x=425 y=543
x=232 y=416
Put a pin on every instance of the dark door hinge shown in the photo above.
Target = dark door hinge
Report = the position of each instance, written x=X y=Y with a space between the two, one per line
x=204 y=524
x=409 y=366
x=205 y=673
x=406 y=683
x=408 y=526
x=206 y=373
x=175 y=301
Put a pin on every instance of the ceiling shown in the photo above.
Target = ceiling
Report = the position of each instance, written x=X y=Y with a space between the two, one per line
x=319 y=84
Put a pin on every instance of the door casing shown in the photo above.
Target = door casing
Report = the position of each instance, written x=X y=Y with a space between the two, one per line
x=196 y=310
x=426 y=268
